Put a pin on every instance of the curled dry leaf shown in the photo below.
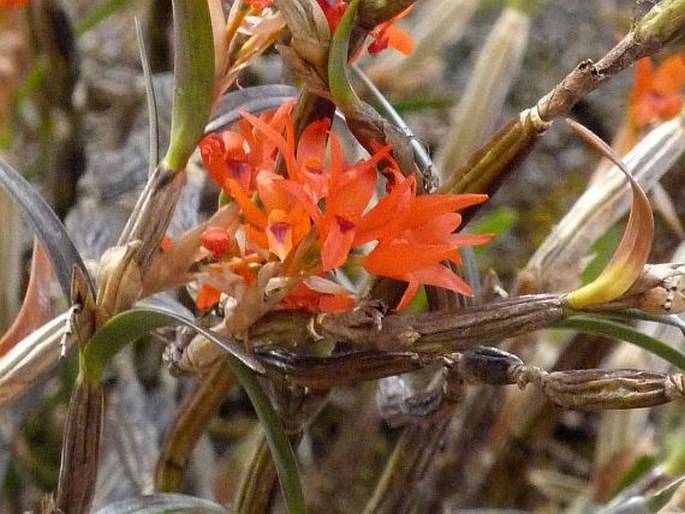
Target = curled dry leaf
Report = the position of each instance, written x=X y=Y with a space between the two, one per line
x=36 y=309
x=633 y=250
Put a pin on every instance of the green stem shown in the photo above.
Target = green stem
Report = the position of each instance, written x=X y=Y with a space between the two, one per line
x=193 y=79
x=341 y=90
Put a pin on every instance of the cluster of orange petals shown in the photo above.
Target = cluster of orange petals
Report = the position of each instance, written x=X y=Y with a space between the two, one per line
x=320 y=208
x=385 y=35
x=8 y=4
x=657 y=93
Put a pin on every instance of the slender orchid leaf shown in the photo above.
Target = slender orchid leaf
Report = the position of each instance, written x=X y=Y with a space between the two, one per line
x=193 y=79
x=60 y=248
x=626 y=333
x=127 y=327
x=662 y=497
x=632 y=251
x=631 y=314
x=165 y=503
x=151 y=100
x=131 y=325
x=634 y=505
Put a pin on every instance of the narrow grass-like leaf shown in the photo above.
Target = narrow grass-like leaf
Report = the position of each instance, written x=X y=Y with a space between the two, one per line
x=130 y=325
x=164 y=503
x=153 y=121
x=631 y=314
x=632 y=251
x=60 y=248
x=662 y=497
x=127 y=327
x=624 y=332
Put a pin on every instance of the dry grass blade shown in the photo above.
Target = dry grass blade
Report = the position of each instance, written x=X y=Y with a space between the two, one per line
x=30 y=358
x=480 y=106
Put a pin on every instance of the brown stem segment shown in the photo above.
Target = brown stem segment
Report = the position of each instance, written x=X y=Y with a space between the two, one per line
x=81 y=448
x=192 y=418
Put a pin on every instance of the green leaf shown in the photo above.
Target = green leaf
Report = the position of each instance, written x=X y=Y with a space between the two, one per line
x=619 y=331
x=153 y=120
x=193 y=79
x=662 y=497
x=60 y=248
x=129 y=326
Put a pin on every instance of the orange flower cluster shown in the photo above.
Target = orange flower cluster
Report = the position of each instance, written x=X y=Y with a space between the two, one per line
x=9 y=4
x=657 y=94
x=315 y=215
x=386 y=35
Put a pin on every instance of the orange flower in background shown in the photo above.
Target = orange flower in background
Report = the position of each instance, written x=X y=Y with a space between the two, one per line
x=259 y=5
x=8 y=4
x=333 y=10
x=657 y=94
x=387 y=35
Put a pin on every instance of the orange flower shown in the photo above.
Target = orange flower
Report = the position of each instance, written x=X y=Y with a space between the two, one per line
x=259 y=5
x=241 y=155
x=349 y=193
x=207 y=297
x=657 y=94
x=388 y=35
x=385 y=35
x=303 y=297
x=333 y=10
x=9 y=4
x=415 y=235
